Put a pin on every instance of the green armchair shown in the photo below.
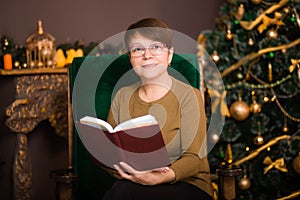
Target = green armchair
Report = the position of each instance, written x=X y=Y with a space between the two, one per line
x=93 y=82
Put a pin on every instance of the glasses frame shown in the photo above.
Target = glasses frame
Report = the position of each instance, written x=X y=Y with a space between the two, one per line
x=150 y=48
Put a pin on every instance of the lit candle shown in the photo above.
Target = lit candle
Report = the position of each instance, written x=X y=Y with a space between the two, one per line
x=7 y=58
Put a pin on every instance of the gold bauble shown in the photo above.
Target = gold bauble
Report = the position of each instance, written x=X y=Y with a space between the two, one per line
x=285 y=128
x=239 y=110
x=256 y=1
x=272 y=34
x=250 y=41
x=215 y=56
x=296 y=164
x=258 y=140
x=240 y=12
x=229 y=35
x=244 y=183
x=255 y=107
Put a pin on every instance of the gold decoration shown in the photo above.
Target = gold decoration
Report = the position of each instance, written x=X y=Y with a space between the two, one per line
x=219 y=102
x=270 y=72
x=258 y=140
x=286 y=114
x=255 y=107
x=215 y=56
x=295 y=63
x=285 y=127
x=250 y=41
x=278 y=164
x=240 y=12
x=272 y=34
x=296 y=164
x=38 y=98
x=254 y=153
x=293 y=195
x=22 y=174
x=256 y=1
x=229 y=35
x=268 y=21
x=244 y=183
x=249 y=25
x=228 y=155
x=254 y=55
x=40 y=49
x=215 y=190
x=239 y=110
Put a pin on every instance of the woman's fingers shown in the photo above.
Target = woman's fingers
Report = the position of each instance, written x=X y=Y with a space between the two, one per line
x=122 y=173
x=132 y=174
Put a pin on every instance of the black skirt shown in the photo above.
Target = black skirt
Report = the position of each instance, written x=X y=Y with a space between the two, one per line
x=127 y=190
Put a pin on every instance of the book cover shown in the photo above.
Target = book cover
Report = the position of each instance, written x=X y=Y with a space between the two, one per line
x=142 y=147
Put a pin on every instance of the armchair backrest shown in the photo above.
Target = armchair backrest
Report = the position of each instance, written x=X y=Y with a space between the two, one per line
x=107 y=71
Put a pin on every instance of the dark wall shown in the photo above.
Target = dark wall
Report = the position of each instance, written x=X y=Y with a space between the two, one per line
x=97 y=20
x=69 y=21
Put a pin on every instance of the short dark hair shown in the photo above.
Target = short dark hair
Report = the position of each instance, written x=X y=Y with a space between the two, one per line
x=152 y=28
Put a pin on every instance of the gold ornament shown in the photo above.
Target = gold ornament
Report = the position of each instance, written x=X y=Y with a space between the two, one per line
x=250 y=41
x=229 y=35
x=219 y=102
x=270 y=72
x=240 y=12
x=285 y=129
x=272 y=34
x=258 y=140
x=268 y=21
x=215 y=56
x=239 y=110
x=294 y=64
x=255 y=107
x=296 y=164
x=278 y=164
x=244 y=183
x=256 y=1
x=40 y=49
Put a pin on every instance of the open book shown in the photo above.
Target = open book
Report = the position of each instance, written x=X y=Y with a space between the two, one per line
x=138 y=142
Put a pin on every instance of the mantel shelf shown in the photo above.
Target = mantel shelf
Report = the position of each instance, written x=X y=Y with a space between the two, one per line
x=34 y=71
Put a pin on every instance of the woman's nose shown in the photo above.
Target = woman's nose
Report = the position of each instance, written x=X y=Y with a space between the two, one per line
x=147 y=53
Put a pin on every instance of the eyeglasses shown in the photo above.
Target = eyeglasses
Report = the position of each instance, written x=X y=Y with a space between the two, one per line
x=138 y=50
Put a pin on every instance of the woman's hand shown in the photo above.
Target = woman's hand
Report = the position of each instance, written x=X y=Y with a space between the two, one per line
x=151 y=177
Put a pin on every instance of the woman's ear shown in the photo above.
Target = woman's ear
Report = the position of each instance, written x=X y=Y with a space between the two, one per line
x=170 y=56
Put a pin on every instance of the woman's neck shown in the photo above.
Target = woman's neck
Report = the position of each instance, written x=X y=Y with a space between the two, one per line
x=154 y=90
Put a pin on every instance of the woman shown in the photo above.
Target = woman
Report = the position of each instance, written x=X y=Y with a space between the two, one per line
x=179 y=110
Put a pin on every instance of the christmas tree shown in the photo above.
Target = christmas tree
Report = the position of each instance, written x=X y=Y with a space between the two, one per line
x=256 y=47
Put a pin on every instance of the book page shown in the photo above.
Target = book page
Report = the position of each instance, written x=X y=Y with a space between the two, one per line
x=136 y=122
x=95 y=122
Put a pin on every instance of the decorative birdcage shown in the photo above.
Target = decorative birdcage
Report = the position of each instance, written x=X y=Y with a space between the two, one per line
x=40 y=49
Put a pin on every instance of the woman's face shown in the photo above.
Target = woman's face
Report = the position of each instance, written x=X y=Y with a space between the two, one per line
x=150 y=59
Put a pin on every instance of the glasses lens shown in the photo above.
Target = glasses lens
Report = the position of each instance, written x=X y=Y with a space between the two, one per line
x=137 y=51
x=154 y=48
x=157 y=48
